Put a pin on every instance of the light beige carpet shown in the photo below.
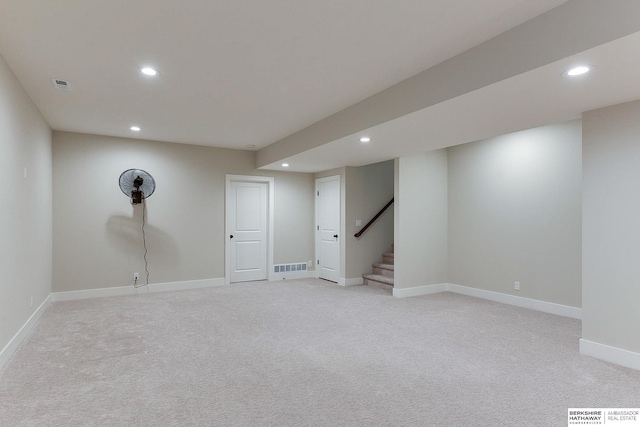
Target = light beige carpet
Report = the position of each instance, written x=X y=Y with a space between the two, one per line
x=303 y=353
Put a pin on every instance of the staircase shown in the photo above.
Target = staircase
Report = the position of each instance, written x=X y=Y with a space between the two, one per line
x=382 y=277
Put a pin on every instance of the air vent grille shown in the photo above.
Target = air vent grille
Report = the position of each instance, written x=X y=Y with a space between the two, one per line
x=61 y=84
x=281 y=268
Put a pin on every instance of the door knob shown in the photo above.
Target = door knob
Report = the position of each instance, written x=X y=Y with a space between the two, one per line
x=231 y=236
x=335 y=235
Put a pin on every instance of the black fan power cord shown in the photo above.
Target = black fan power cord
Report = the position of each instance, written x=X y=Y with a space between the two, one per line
x=144 y=243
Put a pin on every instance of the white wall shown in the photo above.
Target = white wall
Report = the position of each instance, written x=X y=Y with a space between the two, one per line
x=420 y=216
x=97 y=236
x=611 y=227
x=515 y=214
x=25 y=211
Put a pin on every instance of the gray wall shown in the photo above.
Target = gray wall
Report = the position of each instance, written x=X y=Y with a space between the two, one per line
x=25 y=211
x=97 y=237
x=515 y=214
x=611 y=226
x=421 y=220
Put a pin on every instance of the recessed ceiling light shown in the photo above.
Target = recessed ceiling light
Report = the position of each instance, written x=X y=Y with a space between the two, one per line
x=578 y=71
x=148 y=71
x=365 y=139
x=285 y=165
x=251 y=146
x=135 y=128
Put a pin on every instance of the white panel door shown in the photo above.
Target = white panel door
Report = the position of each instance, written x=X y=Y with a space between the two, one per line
x=247 y=226
x=328 y=228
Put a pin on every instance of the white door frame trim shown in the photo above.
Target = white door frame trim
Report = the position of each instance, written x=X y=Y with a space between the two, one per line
x=315 y=232
x=269 y=180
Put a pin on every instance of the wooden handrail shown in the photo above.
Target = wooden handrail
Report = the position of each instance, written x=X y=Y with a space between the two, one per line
x=361 y=232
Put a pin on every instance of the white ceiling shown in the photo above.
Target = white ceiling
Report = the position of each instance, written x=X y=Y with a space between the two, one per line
x=233 y=72
x=535 y=98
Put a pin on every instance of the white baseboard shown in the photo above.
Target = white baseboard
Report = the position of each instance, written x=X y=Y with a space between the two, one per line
x=607 y=353
x=287 y=275
x=18 y=338
x=533 y=304
x=350 y=282
x=130 y=290
x=547 y=307
x=419 y=290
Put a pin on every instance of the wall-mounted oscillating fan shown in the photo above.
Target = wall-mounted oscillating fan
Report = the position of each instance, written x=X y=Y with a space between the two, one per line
x=137 y=184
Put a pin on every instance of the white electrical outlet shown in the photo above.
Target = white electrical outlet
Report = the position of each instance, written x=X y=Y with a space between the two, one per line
x=516 y=286
x=136 y=276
